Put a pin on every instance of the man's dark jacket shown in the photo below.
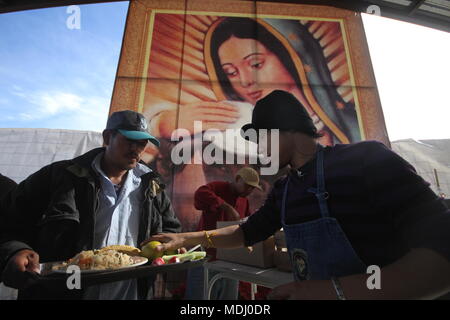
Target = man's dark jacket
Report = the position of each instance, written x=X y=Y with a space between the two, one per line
x=53 y=213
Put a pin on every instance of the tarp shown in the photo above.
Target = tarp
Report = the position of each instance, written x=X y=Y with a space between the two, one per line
x=24 y=151
x=431 y=158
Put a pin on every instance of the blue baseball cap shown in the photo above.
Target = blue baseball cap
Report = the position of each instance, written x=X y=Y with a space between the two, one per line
x=132 y=125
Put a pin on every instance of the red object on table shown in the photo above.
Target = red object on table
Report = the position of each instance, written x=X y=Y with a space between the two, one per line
x=174 y=260
x=158 y=262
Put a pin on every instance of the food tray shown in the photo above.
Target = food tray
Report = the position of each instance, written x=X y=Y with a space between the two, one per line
x=50 y=279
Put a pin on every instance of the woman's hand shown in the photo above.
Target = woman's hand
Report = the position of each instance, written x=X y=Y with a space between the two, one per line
x=214 y=115
x=169 y=241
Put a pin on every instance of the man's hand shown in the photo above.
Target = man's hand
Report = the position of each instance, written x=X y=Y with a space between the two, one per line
x=304 y=290
x=16 y=273
x=230 y=213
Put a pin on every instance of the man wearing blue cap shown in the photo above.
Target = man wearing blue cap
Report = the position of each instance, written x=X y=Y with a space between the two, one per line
x=103 y=197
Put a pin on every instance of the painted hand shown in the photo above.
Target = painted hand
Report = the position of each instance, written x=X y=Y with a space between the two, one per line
x=213 y=115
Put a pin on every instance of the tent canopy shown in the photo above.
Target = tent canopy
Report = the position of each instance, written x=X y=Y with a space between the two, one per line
x=430 y=13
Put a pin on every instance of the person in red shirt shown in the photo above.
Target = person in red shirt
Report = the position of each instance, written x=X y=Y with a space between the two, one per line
x=225 y=201
x=221 y=201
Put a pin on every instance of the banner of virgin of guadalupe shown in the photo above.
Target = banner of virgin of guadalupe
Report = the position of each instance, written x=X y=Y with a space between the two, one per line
x=202 y=65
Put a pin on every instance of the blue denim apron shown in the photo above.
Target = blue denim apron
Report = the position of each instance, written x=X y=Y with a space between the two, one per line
x=319 y=249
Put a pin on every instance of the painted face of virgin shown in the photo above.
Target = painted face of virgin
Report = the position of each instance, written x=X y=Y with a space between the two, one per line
x=252 y=69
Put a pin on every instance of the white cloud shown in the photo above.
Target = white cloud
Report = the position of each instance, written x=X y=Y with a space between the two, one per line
x=18 y=91
x=73 y=111
x=17 y=88
x=26 y=117
x=57 y=102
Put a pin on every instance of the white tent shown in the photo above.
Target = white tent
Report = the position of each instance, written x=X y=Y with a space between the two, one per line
x=431 y=158
x=24 y=151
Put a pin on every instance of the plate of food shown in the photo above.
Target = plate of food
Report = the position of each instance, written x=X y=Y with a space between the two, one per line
x=106 y=259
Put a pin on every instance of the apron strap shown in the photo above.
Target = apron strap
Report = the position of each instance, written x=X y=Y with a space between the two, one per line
x=283 y=203
x=320 y=192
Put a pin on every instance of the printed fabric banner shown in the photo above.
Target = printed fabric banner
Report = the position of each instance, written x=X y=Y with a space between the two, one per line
x=197 y=66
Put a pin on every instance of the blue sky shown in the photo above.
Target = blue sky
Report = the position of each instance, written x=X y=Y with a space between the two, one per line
x=55 y=77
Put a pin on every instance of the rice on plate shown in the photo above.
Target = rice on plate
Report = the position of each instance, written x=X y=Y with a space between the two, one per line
x=98 y=260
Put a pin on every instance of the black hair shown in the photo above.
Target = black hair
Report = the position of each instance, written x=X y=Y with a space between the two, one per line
x=246 y=28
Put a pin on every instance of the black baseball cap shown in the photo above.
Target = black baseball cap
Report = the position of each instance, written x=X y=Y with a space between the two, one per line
x=280 y=110
x=132 y=125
